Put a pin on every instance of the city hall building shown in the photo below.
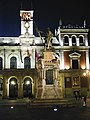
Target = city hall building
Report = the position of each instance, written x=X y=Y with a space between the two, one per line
x=49 y=67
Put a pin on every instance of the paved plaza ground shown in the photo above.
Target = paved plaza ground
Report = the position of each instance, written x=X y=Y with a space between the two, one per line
x=23 y=113
x=18 y=110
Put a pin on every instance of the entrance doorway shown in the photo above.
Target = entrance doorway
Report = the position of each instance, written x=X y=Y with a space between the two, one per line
x=27 y=87
x=13 y=88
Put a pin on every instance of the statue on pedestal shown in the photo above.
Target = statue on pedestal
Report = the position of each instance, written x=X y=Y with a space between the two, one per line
x=43 y=87
x=48 y=38
x=56 y=88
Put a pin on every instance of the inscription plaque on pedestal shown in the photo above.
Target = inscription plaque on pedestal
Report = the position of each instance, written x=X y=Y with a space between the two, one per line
x=48 y=56
x=49 y=76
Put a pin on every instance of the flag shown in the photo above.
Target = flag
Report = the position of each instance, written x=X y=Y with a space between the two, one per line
x=21 y=55
x=36 y=55
x=28 y=53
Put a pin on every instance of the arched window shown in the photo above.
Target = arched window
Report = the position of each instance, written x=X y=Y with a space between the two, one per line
x=81 y=40
x=66 y=41
x=1 y=63
x=27 y=63
x=13 y=62
x=73 y=40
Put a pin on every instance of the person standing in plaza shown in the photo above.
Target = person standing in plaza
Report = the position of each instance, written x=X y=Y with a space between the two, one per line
x=84 y=99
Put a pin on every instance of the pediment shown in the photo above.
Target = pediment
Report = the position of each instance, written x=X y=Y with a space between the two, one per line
x=75 y=54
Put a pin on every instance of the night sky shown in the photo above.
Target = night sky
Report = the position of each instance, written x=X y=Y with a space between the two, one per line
x=47 y=13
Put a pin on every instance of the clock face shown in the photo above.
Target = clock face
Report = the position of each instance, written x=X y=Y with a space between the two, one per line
x=26 y=16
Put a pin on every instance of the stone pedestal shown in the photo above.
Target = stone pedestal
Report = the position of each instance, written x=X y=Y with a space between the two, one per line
x=49 y=92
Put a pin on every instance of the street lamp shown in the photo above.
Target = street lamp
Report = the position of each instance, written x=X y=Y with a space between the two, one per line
x=55 y=109
x=27 y=82
x=87 y=73
x=12 y=82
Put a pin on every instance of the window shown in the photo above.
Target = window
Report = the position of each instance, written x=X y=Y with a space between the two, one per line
x=27 y=62
x=1 y=63
x=76 y=81
x=66 y=41
x=75 y=64
x=84 y=81
x=73 y=40
x=13 y=62
x=75 y=60
x=68 y=82
x=81 y=40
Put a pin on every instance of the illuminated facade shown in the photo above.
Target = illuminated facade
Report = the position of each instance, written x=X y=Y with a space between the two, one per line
x=50 y=67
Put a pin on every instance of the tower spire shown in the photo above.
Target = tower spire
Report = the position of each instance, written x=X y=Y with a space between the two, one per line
x=60 y=22
x=84 y=24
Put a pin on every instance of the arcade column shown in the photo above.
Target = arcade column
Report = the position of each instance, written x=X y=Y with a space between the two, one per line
x=5 y=82
x=20 y=87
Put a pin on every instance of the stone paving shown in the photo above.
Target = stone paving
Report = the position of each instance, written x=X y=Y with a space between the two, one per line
x=68 y=102
x=74 y=110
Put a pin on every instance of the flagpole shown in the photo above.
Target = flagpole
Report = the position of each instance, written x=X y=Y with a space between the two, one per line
x=4 y=58
x=21 y=55
x=36 y=57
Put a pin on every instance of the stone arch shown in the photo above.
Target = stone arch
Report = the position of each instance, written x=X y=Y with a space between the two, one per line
x=81 y=40
x=13 y=62
x=74 y=37
x=66 y=40
x=81 y=36
x=27 y=62
x=24 y=56
x=65 y=36
x=28 y=87
x=13 y=55
x=13 y=87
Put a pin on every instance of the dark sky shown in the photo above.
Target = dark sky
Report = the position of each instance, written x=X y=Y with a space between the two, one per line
x=46 y=14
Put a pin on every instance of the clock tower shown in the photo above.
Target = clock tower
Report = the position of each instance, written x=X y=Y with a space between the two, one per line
x=26 y=21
